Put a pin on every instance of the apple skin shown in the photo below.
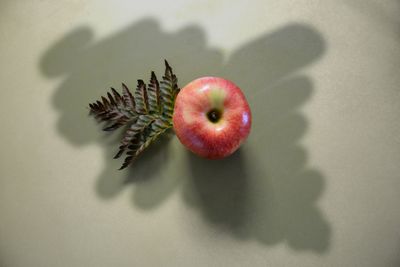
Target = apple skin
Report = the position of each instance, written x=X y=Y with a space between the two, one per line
x=194 y=126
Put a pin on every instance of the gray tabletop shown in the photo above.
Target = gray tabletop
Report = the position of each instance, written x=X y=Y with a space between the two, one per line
x=316 y=184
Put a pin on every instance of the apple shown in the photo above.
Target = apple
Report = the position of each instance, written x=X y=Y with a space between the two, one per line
x=211 y=117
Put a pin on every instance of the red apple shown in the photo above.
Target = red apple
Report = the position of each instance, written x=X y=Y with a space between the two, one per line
x=211 y=117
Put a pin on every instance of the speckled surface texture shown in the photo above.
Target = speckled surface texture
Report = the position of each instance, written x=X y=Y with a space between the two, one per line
x=316 y=184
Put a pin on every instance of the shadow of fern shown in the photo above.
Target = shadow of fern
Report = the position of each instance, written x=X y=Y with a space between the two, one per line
x=266 y=191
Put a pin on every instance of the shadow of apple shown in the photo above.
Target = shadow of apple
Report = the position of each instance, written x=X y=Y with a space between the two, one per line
x=265 y=191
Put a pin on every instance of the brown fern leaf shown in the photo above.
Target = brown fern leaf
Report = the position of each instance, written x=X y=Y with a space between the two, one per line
x=169 y=91
x=141 y=99
x=129 y=101
x=133 y=132
x=147 y=113
x=113 y=111
x=137 y=146
x=154 y=94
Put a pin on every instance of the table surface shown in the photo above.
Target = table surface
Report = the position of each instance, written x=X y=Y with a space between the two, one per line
x=316 y=184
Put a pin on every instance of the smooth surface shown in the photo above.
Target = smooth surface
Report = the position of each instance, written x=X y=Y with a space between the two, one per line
x=317 y=183
x=211 y=117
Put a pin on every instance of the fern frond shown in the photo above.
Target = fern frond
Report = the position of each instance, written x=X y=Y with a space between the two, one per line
x=154 y=94
x=141 y=100
x=147 y=113
x=129 y=101
x=138 y=146
x=134 y=130
x=113 y=111
x=169 y=91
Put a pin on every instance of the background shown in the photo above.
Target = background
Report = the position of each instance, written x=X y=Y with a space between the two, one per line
x=316 y=184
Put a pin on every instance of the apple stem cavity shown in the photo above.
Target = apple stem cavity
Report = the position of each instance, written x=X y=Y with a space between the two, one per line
x=214 y=115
